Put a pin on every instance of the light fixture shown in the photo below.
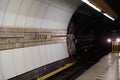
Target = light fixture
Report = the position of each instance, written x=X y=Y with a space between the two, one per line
x=90 y=4
x=108 y=16
x=109 y=40
x=118 y=40
x=96 y=8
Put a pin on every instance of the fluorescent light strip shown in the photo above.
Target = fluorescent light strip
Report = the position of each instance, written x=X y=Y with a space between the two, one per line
x=108 y=16
x=87 y=2
x=90 y=4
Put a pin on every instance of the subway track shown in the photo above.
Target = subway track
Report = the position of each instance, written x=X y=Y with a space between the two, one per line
x=72 y=72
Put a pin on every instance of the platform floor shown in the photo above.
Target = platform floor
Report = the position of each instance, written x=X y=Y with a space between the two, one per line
x=108 y=68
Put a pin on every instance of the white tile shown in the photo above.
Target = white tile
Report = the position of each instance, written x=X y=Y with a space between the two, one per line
x=58 y=52
x=3 y=5
x=49 y=19
x=64 y=50
x=57 y=18
x=61 y=50
x=50 y=55
x=28 y=58
x=43 y=55
x=8 y=66
x=36 y=57
x=53 y=49
x=32 y=14
x=11 y=12
x=1 y=72
x=19 y=61
x=23 y=13
x=41 y=15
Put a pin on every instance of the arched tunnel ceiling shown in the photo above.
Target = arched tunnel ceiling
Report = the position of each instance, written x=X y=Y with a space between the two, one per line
x=41 y=13
x=38 y=13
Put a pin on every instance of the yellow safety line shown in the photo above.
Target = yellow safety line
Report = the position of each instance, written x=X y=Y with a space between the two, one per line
x=56 y=71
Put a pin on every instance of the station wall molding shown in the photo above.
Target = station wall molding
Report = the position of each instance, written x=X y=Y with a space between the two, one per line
x=11 y=38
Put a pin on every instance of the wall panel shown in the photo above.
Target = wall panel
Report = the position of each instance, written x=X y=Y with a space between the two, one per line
x=18 y=57
x=11 y=12
x=3 y=7
x=1 y=70
x=28 y=58
x=43 y=55
x=30 y=21
x=41 y=14
x=36 y=57
x=23 y=12
x=8 y=64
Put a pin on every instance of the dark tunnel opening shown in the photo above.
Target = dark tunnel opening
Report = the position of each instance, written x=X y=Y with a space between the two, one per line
x=87 y=34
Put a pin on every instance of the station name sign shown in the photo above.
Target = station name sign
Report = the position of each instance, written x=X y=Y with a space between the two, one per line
x=41 y=36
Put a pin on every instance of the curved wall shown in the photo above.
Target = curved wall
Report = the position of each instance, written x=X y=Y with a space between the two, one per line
x=53 y=14
x=46 y=14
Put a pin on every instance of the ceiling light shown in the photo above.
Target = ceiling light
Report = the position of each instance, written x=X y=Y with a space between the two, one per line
x=108 y=16
x=90 y=4
x=109 y=40
x=118 y=40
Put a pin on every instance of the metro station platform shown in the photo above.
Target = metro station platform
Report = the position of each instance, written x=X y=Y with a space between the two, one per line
x=107 y=68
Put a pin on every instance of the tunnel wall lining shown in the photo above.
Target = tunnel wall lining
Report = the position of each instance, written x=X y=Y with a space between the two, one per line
x=47 y=14
x=11 y=38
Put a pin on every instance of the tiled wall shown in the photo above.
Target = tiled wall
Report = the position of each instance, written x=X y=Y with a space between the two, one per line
x=47 y=14
x=18 y=61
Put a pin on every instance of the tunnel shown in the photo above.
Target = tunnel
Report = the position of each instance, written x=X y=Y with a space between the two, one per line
x=88 y=32
x=40 y=36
